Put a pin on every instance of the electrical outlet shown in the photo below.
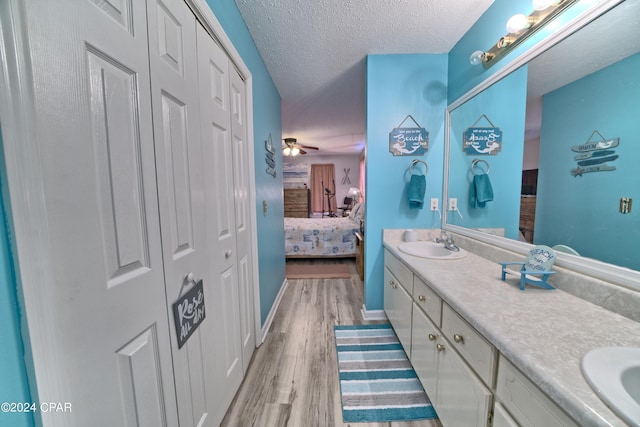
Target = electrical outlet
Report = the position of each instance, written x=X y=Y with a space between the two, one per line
x=453 y=204
x=434 y=204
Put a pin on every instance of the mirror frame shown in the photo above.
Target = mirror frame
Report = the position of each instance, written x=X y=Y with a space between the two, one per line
x=617 y=275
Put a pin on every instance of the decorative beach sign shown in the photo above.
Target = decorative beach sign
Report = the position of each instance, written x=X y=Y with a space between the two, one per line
x=269 y=158
x=408 y=141
x=482 y=140
x=189 y=312
x=594 y=155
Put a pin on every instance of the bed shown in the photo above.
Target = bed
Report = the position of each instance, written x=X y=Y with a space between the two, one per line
x=322 y=237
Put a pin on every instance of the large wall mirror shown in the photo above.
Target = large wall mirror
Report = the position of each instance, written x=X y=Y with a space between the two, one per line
x=567 y=160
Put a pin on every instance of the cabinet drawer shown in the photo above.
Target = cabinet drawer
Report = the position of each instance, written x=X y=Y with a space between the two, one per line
x=477 y=351
x=427 y=300
x=399 y=270
x=527 y=404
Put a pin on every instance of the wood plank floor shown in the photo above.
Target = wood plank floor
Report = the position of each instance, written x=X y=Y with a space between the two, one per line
x=292 y=379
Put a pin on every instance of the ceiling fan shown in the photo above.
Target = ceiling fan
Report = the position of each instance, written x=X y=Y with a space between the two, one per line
x=292 y=148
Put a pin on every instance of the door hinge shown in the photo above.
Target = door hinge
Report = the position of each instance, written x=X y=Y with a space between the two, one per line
x=490 y=418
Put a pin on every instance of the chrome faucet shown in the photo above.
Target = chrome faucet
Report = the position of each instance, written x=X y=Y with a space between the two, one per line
x=447 y=239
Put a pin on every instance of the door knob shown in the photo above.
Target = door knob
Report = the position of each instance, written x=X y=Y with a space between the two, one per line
x=440 y=347
x=422 y=298
x=227 y=254
x=432 y=337
x=458 y=338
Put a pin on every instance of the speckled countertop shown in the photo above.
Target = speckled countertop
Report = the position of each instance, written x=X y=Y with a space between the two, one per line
x=544 y=333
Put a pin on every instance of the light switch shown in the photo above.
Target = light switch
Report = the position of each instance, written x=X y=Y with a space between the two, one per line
x=625 y=205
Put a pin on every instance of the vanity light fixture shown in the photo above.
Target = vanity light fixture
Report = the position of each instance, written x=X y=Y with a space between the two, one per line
x=519 y=28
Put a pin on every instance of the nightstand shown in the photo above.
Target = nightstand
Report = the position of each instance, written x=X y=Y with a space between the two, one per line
x=360 y=254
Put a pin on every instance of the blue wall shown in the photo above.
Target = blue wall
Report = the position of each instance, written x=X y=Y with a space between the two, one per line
x=504 y=104
x=267 y=120
x=13 y=375
x=399 y=85
x=578 y=211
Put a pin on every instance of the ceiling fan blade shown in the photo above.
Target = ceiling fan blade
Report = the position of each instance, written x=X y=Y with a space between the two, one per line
x=308 y=147
x=302 y=151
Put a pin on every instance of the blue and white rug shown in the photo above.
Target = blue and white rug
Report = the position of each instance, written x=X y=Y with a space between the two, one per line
x=377 y=381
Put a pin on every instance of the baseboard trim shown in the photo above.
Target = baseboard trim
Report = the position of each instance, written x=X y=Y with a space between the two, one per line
x=274 y=309
x=372 y=314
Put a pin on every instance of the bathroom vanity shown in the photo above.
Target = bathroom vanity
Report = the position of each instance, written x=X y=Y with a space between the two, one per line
x=490 y=354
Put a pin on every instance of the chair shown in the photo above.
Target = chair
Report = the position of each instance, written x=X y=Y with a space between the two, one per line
x=566 y=249
x=347 y=202
x=538 y=263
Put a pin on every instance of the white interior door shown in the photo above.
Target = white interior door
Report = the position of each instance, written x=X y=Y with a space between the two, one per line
x=241 y=165
x=92 y=103
x=176 y=119
x=217 y=136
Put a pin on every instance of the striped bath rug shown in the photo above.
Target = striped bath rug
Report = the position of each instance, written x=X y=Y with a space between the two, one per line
x=377 y=381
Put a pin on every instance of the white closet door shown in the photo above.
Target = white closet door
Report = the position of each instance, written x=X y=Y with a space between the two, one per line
x=221 y=217
x=241 y=165
x=176 y=119
x=92 y=102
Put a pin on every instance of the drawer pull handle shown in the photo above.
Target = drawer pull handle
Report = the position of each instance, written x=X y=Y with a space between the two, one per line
x=422 y=298
x=440 y=347
x=458 y=338
x=393 y=284
x=432 y=337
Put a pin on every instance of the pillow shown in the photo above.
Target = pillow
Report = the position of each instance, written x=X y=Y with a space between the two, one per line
x=354 y=211
x=360 y=213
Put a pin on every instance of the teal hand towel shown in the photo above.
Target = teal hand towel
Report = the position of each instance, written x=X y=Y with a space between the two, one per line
x=481 y=191
x=415 y=191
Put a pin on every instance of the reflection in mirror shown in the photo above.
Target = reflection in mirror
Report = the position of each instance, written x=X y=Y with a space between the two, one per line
x=570 y=120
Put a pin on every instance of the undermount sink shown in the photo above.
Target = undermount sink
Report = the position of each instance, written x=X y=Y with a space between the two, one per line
x=433 y=250
x=614 y=374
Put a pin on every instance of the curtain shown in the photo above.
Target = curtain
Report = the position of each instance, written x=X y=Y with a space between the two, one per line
x=322 y=176
x=361 y=179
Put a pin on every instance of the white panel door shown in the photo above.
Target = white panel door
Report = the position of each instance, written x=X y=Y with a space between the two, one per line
x=241 y=165
x=217 y=153
x=92 y=103
x=176 y=119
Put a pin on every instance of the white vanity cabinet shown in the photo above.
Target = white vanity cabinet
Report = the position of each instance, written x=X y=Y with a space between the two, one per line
x=456 y=391
x=398 y=283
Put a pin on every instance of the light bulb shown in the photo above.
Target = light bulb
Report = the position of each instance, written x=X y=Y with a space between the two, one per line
x=543 y=4
x=286 y=151
x=517 y=22
x=477 y=57
x=295 y=151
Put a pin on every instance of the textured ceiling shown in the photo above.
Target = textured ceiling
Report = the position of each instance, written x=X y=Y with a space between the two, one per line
x=315 y=52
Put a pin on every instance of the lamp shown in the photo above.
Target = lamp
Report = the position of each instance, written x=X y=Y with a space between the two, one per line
x=520 y=27
x=354 y=194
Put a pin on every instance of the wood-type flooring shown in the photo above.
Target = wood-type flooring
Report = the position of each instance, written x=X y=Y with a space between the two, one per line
x=292 y=380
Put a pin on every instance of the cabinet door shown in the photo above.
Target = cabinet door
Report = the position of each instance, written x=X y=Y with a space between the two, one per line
x=462 y=399
x=424 y=355
x=501 y=418
x=397 y=305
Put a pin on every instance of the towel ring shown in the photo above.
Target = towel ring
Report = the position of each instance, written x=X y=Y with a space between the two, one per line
x=414 y=162
x=475 y=162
